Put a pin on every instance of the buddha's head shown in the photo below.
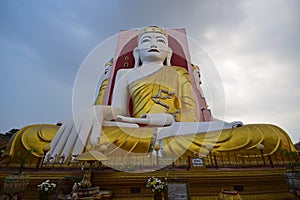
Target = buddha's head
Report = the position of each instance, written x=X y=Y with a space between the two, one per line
x=152 y=47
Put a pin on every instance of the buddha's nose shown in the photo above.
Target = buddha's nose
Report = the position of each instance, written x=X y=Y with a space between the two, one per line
x=153 y=46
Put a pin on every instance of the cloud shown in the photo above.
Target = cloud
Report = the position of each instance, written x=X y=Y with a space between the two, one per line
x=258 y=62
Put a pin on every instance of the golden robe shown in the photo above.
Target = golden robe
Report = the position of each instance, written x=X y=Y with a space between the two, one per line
x=167 y=90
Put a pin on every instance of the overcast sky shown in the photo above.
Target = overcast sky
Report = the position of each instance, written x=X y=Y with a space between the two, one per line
x=254 y=45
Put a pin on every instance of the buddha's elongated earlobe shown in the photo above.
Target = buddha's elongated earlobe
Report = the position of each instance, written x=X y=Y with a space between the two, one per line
x=169 y=56
x=136 y=56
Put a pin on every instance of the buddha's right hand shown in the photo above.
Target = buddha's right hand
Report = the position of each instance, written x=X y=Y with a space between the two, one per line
x=91 y=121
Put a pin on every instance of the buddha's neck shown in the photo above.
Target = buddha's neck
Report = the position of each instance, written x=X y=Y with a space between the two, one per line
x=148 y=68
x=152 y=62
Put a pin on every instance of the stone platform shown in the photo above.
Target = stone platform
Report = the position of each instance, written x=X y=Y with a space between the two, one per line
x=201 y=183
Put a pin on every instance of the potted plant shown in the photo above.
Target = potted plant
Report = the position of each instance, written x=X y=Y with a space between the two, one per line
x=45 y=189
x=17 y=183
x=157 y=186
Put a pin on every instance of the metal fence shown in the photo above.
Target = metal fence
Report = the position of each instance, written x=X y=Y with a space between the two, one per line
x=132 y=163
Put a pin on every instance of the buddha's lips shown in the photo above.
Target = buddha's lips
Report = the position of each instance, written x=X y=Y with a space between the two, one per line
x=153 y=50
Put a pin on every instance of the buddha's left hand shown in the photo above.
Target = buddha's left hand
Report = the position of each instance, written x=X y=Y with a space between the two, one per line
x=159 y=119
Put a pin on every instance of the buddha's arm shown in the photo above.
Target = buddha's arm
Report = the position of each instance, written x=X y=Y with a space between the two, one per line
x=187 y=98
x=120 y=96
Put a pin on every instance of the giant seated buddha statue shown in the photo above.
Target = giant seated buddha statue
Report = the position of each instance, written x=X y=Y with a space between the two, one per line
x=150 y=97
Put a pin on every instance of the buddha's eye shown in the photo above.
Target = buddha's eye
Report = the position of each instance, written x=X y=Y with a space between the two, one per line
x=145 y=40
x=161 y=40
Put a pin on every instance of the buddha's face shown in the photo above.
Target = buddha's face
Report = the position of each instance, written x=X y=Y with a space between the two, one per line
x=153 y=47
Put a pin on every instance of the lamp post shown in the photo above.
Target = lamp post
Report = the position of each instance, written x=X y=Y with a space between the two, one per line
x=261 y=147
x=103 y=148
x=209 y=147
x=157 y=148
x=45 y=150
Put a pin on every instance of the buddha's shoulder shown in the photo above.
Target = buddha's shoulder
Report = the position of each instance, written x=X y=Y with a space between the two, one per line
x=179 y=69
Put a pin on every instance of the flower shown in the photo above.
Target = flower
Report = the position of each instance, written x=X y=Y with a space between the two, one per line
x=46 y=186
x=156 y=184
